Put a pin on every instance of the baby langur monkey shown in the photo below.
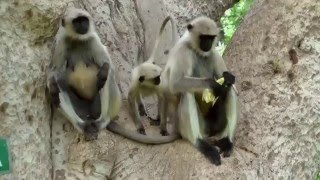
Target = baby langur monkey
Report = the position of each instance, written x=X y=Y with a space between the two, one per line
x=145 y=81
x=193 y=66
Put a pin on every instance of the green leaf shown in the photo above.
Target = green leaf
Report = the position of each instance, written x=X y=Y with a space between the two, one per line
x=232 y=19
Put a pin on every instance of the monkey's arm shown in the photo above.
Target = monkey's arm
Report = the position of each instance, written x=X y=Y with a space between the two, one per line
x=58 y=57
x=219 y=67
x=218 y=64
x=101 y=54
x=181 y=65
x=134 y=111
x=193 y=84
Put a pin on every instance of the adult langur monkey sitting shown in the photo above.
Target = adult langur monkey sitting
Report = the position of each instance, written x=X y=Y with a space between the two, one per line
x=193 y=66
x=79 y=51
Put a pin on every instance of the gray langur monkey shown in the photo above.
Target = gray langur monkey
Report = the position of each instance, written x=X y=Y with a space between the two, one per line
x=193 y=66
x=77 y=48
x=145 y=81
x=78 y=56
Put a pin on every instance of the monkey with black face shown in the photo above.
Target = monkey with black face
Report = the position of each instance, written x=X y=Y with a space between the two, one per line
x=145 y=81
x=77 y=49
x=80 y=68
x=192 y=67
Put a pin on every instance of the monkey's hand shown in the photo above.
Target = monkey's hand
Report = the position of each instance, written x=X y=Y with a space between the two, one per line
x=229 y=78
x=102 y=75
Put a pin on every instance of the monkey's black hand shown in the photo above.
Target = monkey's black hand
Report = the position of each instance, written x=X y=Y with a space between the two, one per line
x=229 y=78
x=102 y=75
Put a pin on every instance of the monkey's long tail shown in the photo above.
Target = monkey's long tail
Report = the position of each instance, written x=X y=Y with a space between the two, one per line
x=116 y=128
x=174 y=35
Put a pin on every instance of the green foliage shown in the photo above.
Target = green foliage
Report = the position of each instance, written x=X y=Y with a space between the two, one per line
x=231 y=20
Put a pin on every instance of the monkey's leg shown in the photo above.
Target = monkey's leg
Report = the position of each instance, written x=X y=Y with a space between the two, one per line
x=96 y=106
x=216 y=122
x=191 y=129
x=163 y=118
x=155 y=122
x=230 y=114
x=102 y=75
x=142 y=110
x=132 y=98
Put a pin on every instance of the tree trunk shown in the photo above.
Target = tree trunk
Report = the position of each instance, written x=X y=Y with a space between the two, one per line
x=128 y=28
x=275 y=55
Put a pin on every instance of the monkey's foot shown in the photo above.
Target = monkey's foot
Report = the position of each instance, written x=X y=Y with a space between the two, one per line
x=164 y=133
x=90 y=131
x=225 y=145
x=102 y=75
x=142 y=131
x=211 y=152
x=154 y=122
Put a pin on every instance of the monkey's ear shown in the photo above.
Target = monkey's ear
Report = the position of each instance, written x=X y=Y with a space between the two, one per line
x=141 y=78
x=189 y=27
x=63 y=23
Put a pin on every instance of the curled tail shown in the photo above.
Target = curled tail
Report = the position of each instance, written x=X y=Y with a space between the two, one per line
x=116 y=128
x=174 y=36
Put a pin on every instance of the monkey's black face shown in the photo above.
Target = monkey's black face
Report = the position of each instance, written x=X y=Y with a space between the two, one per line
x=81 y=25
x=206 y=42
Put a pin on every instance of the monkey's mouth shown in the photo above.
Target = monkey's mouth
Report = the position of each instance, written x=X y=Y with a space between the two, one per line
x=82 y=30
x=81 y=25
x=206 y=42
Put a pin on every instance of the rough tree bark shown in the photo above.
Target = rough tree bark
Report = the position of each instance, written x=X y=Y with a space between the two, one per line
x=275 y=54
x=263 y=148
x=27 y=28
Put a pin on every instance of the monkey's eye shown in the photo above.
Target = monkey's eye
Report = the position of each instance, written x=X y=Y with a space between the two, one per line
x=189 y=27
x=141 y=78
